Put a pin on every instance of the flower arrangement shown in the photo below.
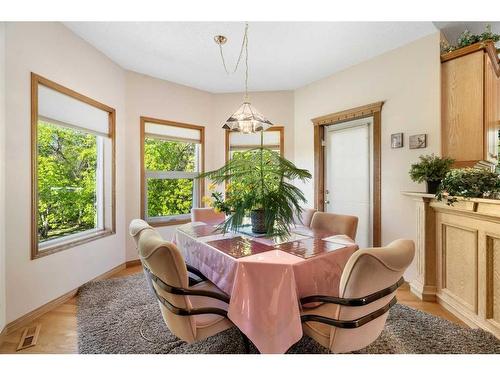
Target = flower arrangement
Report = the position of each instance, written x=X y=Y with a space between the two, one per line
x=467 y=38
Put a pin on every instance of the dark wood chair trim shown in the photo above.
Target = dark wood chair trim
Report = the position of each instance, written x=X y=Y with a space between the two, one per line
x=353 y=301
x=349 y=324
x=184 y=291
x=196 y=272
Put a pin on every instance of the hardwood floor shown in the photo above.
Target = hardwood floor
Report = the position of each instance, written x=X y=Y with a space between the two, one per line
x=59 y=332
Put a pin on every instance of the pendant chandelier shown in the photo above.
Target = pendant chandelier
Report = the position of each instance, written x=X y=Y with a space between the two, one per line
x=246 y=119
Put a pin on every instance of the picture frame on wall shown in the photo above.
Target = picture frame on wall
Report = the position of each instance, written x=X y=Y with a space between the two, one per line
x=418 y=141
x=397 y=140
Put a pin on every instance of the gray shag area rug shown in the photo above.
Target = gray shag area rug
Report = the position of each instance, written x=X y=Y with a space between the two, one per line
x=120 y=315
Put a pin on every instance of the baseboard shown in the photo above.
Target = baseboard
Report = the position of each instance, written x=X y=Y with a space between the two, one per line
x=109 y=273
x=133 y=263
x=29 y=317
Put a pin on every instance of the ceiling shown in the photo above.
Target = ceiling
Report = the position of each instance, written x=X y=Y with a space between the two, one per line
x=282 y=55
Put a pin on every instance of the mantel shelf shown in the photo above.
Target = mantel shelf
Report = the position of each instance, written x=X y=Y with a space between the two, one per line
x=417 y=194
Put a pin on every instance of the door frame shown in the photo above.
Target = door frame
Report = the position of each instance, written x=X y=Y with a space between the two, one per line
x=370 y=110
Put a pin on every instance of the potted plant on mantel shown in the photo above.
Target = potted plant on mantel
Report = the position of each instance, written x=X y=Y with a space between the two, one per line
x=431 y=169
x=469 y=183
x=259 y=185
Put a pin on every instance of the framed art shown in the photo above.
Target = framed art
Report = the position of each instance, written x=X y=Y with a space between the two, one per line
x=418 y=141
x=397 y=140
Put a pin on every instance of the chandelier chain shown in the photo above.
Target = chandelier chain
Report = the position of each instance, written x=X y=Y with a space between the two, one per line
x=244 y=47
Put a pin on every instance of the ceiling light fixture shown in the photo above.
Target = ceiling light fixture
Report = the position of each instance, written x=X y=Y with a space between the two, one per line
x=246 y=119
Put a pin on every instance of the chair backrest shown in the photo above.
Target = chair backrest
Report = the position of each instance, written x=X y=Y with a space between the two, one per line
x=165 y=261
x=335 y=224
x=305 y=217
x=369 y=271
x=207 y=215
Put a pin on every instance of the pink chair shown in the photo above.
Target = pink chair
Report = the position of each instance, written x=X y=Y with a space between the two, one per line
x=191 y=311
x=366 y=292
x=305 y=218
x=332 y=224
x=207 y=215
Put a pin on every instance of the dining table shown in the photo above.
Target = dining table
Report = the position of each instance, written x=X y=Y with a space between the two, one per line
x=266 y=277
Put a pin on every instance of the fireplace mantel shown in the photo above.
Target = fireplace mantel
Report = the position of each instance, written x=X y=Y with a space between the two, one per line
x=458 y=257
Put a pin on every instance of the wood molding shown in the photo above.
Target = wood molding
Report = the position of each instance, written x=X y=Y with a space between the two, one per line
x=348 y=114
x=279 y=128
x=488 y=47
x=29 y=317
x=201 y=129
x=369 y=110
x=37 y=80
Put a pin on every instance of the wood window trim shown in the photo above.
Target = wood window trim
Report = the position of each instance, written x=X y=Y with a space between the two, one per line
x=37 y=80
x=370 y=110
x=201 y=129
x=279 y=128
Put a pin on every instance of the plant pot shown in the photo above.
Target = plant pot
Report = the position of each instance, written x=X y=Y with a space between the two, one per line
x=432 y=186
x=258 y=218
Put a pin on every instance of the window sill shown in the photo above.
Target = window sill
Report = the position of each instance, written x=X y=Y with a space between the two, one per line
x=55 y=248
x=168 y=223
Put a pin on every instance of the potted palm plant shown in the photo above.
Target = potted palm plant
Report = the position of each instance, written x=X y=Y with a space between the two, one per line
x=259 y=184
x=431 y=169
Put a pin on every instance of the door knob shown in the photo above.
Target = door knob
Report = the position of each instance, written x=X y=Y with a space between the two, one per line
x=327 y=202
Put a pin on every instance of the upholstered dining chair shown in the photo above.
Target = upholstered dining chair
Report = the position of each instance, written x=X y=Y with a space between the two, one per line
x=207 y=215
x=367 y=291
x=191 y=312
x=305 y=217
x=335 y=224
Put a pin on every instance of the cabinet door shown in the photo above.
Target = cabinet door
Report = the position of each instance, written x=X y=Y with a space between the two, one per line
x=462 y=107
x=491 y=112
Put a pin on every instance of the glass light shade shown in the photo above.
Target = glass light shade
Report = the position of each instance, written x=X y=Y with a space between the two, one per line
x=247 y=120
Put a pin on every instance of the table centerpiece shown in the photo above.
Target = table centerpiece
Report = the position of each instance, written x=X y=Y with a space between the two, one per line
x=260 y=184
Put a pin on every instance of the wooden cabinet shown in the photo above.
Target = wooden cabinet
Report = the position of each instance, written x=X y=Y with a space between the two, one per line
x=470 y=105
x=458 y=258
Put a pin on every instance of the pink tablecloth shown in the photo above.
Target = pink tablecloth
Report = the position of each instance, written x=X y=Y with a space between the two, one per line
x=265 y=288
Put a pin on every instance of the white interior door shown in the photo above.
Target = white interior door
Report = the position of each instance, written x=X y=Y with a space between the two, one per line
x=348 y=173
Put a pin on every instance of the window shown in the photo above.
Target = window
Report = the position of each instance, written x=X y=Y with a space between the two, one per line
x=172 y=158
x=238 y=142
x=73 y=172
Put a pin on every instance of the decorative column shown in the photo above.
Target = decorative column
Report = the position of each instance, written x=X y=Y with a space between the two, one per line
x=424 y=285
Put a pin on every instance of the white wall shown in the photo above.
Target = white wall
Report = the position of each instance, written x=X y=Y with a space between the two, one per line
x=2 y=175
x=54 y=52
x=408 y=80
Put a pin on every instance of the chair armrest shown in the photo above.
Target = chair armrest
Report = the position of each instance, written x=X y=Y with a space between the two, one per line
x=349 y=324
x=187 y=312
x=353 y=301
x=186 y=291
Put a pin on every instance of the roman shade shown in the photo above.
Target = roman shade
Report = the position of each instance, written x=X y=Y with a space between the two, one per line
x=271 y=139
x=172 y=133
x=64 y=110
